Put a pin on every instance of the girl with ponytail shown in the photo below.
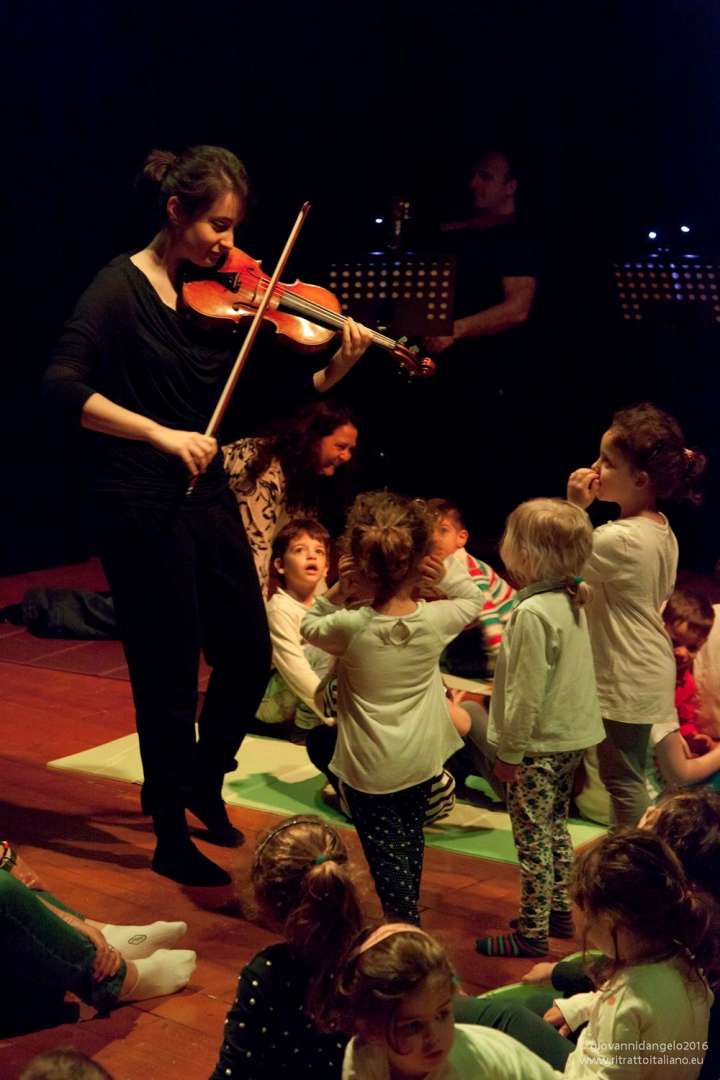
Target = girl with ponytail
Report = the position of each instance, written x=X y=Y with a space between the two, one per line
x=643 y=463
x=395 y=725
x=304 y=889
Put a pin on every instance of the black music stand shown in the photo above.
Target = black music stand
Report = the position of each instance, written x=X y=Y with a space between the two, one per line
x=669 y=289
x=401 y=294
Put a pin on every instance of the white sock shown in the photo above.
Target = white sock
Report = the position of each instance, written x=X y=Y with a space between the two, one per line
x=165 y=972
x=135 y=942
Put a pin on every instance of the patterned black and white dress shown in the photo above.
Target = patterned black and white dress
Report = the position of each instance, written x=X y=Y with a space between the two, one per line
x=261 y=502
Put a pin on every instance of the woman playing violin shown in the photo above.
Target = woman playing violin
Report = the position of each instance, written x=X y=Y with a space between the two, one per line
x=144 y=380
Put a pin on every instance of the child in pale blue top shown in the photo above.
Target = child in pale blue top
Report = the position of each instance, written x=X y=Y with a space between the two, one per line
x=396 y=727
x=544 y=711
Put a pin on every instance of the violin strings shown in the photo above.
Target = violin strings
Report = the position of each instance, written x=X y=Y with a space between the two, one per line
x=309 y=307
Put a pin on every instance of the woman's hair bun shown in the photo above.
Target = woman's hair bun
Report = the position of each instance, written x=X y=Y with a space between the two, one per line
x=157 y=165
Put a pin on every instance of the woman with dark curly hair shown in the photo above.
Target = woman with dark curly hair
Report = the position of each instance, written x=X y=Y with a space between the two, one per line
x=280 y=476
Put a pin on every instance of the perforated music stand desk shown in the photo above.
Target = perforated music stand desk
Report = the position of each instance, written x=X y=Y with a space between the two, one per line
x=668 y=288
x=403 y=294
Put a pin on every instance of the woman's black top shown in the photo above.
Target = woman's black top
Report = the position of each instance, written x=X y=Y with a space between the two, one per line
x=123 y=342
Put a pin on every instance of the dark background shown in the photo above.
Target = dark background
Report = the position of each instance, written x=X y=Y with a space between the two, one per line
x=613 y=107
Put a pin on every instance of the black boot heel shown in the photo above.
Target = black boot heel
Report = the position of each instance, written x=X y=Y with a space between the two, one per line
x=186 y=865
x=218 y=827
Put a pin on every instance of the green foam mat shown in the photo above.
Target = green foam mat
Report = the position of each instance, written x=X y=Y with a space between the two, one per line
x=277 y=776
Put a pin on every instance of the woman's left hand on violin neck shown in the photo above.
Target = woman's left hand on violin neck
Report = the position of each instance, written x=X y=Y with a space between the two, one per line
x=355 y=340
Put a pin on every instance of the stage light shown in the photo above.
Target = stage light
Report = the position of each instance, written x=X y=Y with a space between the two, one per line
x=652 y=236
x=684 y=228
x=379 y=220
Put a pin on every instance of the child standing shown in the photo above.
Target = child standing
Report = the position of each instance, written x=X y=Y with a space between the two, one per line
x=642 y=459
x=679 y=753
x=544 y=712
x=394 y=722
x=396 y=992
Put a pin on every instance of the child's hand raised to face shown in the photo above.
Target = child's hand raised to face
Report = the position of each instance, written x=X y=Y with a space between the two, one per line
x=582 y=487
x=432 y=570
x=350 y=583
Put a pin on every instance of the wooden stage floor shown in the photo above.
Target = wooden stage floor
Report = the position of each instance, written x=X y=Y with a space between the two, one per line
x=88 y=840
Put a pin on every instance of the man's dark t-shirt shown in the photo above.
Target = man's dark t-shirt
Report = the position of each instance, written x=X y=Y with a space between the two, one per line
x=484 y=256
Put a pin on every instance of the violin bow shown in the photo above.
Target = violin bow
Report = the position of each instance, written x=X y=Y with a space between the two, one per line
x=224 y=399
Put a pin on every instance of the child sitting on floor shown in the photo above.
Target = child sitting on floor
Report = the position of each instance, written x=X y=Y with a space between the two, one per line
x=689 y=823
x=395 y=726
x=396 y=991
x=544 y=711
x=654 y=930
x=470 y=658
x=689 y=618
x=300 y=559
x=282 y=1016
x=472 y=655
x=706 y=672
x=305 y=890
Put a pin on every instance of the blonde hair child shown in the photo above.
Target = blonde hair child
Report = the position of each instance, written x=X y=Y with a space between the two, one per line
x=544 y=712
x=394 y=724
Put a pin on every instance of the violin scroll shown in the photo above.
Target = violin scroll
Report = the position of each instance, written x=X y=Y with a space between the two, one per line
x=412 y=363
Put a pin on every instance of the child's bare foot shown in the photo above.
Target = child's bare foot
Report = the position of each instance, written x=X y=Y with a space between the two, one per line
x=539 y=974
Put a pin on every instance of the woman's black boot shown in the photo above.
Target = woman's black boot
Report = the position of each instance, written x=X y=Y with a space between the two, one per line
x=177 y=858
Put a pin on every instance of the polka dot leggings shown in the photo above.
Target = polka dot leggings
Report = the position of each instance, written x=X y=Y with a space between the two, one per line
x=390 y=828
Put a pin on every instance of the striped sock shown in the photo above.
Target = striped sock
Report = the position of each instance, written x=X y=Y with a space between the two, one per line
x=511 y=945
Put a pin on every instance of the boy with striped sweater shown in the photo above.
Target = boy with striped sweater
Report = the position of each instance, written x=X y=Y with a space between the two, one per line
x=475 y=656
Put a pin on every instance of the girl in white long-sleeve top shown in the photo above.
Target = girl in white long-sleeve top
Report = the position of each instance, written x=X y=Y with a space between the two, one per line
x=643 y=463
x=649 y=1018
x=395 y=724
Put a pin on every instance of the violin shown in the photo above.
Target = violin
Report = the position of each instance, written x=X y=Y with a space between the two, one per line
x=307 y=315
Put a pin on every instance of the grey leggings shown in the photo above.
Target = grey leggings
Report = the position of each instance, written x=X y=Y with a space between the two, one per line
x=621 y=763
